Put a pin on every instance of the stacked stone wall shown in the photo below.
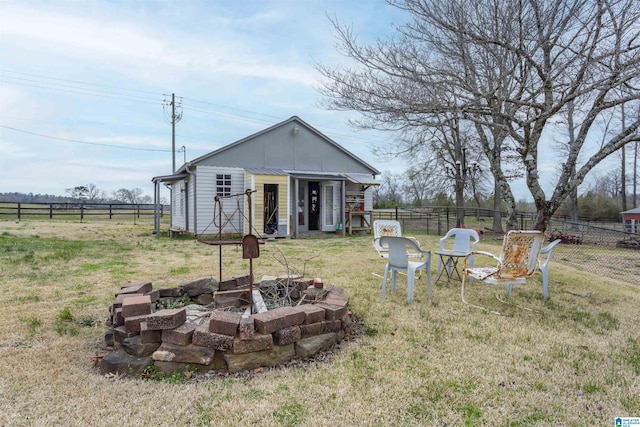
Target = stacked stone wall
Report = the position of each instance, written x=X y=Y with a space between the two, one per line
x=147 y=327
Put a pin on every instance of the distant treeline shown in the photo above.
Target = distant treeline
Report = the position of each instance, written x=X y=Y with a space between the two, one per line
x=16 y=197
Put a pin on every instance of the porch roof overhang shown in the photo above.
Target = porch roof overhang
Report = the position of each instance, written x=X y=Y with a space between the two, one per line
x=169 y=178
x=361 y=178
x=319 y=176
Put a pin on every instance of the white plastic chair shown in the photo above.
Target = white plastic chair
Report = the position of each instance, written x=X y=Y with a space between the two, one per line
x=545 y=256
x=462 y=246
x=399 y=261
x=517 y=262
x=388 y=227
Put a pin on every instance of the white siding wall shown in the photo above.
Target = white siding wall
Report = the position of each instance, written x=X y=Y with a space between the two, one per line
x=191 y=202
x=368 y=199
x=232 y=208
x=177 y=209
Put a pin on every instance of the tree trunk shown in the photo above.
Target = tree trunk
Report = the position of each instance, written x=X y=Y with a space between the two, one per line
x=459 y=201
x=543 y=217
x=635 y=176
x=623 y=173
x=573 y=200
x=507 y=196
x=497 y=212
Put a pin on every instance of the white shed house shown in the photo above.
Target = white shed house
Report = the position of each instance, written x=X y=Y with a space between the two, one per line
x=299 y=180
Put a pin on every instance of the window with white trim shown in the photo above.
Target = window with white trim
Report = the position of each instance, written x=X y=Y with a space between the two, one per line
x=223 y=185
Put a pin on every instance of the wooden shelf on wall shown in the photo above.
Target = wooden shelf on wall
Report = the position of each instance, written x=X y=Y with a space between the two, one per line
x=354 y=201
x=365 y=221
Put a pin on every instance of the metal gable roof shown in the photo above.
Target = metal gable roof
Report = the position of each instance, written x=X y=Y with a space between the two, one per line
x=266 y=171
x=361 y=178
x=292 y=119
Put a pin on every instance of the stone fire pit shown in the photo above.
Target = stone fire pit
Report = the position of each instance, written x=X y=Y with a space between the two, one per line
x=204 y=325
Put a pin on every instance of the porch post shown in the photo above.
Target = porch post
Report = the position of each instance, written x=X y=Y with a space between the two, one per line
x=156 y=210
x=296 y=189
x=343 y=203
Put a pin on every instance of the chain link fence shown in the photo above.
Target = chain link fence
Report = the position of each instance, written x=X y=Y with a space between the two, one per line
x=602 y=249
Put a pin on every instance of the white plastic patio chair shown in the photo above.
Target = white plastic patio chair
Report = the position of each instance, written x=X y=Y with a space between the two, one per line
x=389 y=227
x=464 y=242
x=517 y=262
x=398 y=255
x=545 y=256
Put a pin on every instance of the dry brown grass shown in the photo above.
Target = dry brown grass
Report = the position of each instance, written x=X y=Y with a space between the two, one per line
x=439 y=362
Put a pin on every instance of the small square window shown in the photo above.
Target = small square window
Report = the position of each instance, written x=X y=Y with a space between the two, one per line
x=223 y=185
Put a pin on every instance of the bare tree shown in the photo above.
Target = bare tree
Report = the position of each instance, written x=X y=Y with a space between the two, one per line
x=608 y=185
x=95 y=194
x=418 y=186
x=510 y=66
x=390 y=190
x=133 y=195
x=88 y=192
x=78 y=193
x=411 y=84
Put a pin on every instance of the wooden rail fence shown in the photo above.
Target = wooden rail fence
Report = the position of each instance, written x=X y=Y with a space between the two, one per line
x=81 y=211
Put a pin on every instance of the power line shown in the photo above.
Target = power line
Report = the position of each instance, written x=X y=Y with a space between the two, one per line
x=230 y=115
x=239 y=114
x=80 y=82
x=124 y=147
x=326 y=130
x=83 y=91
x=234 y=108
x=264 y=120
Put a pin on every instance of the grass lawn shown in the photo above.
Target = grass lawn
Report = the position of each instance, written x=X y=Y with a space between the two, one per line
x=575 y=362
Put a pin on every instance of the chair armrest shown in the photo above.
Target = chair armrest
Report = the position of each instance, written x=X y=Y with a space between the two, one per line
x=382 y=250
x=484 y=253
x=414 y=240
x=441 y=243
x=545 y=253
x=550 y=246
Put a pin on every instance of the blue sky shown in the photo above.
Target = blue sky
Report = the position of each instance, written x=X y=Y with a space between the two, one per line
x=83 y=82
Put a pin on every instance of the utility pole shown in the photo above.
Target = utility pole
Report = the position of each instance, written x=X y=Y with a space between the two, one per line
x=173 y=132
x=175 y=118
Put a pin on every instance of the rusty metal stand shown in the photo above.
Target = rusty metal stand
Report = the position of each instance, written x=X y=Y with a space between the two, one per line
x=249 y=242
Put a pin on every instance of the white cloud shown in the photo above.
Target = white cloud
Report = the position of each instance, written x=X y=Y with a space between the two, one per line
x=250 y=55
